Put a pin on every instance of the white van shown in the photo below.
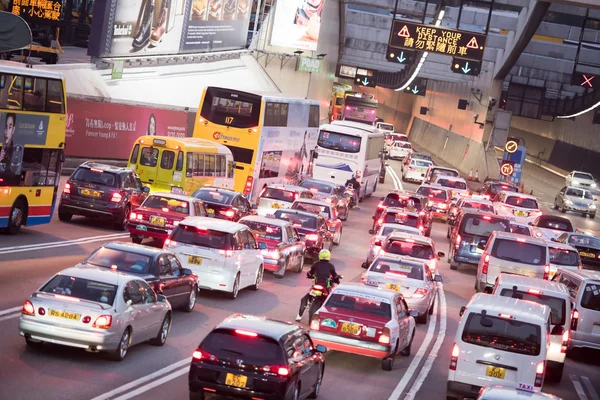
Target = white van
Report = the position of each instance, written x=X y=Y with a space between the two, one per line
x=584 y=290
x=552 y=294
x=512 y=254
x=274 y=197
x=224 y=254
x=562 y=256
x=499 y=341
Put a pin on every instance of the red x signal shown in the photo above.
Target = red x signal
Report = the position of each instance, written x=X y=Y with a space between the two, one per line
x=587 y=80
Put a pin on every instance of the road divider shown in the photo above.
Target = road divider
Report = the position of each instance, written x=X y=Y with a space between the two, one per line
x=10 y=313
x=66 y=243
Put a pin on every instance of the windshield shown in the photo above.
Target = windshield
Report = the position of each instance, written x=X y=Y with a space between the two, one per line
x=214 y=196
x=523 y=202
x=484 y=225
x=557 y=306
x=312 y=208
x=167 y=204
x=581 y=175
x=420 y=163
x=563 y=257
x=580 y=240
x=124 y=260
x=383 y=265
x=591 y=297
x=579 y=193
x=355 y=302
x=503 y=334
x=402 y=201
x=263 y=230
x=298 y=220
x=401 y=218
x=227 y=345
x=526 y=253
x=209 y=238
x=319 y=187
x=439 y=194
x=279 y=194
x=406 y=247
x=475 y=205
x=451 y=183
x=559 y=224
x=386 y=230
x=95 y=176
x=520 y=229
x=404 y=145
x=80 y=288
x=339 y=142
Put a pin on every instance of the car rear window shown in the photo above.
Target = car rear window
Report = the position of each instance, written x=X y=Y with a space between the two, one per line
x=263 y=230
x=210 y=238
x=475 y=205
x=124 y=260
x=226 y=345
x=279 y=194
x=521 y=230
x=580 y=240
x=498 y=187
x=404 y=145
x=563 y=257
x=298 y=220
x=402 y=201
x=401 y=218
x=406 y=247
x=526 y=253
x=420 y=163
x=398 y=138
x=559 y=224
x=504 y=334
x=422 y=156
x=591 y=297
x=96 y=177
x=483 y=225
x=581 y=175
x=444 y=172
x=167 y=204
x=79 y=288
x=391 y=229
x=383 y=265
x=557 y=306
x=319 y=187
x=362 y=303
x=214 y=196
x=311 y=208
x=451 y=183
x=433 y=193
x=523 y=202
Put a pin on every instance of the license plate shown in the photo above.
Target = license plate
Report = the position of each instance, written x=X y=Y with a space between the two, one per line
x=275 y=205
x=421 y=171
x=238 y=381
x=195 y=260
x=584 y=254
x=352 y=329
x=393 y=287
x=141 y=228
x=520 y=213
x=158 y=221
x=478 y=250
x=210 y=211
x=64 y=314
x=316 y=293
x=90 y=193
x=495 y=372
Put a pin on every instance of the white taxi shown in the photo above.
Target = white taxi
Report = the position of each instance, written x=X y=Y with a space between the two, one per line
x=507 y=393
x=525 y=208
x=499 y=341
x=418 y=248
x=398 y=150
x=458 y=186
x=380 y=235
x=274 y=197
x=366 y=321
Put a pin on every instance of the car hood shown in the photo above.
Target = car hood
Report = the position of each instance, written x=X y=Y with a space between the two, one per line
x=548 y=234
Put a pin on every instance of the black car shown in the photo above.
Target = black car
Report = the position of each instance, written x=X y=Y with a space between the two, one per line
x=329 y=192
x=408 y=200
x=492 y=187
x=160 y=268
x=102 y=191
x=312 y=230
x=588 y=246
x=259 y=358
x=225 y=203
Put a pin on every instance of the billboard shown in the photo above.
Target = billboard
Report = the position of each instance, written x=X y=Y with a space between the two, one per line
x=107 y=130
x=297 y=24
x=158 y=27
x=43 y=12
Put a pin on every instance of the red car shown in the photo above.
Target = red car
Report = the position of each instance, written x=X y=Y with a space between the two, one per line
x=160 y=213
x=440 y=200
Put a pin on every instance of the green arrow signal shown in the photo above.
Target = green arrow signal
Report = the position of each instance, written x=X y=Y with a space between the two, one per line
x=415 y=90
x=466 y=68
x=365 y=82
x=401 y=59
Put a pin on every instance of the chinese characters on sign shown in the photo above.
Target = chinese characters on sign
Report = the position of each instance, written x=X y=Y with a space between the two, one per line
x=406 y=35
x=48 y=10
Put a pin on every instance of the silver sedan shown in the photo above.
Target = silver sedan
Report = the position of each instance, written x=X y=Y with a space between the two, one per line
x=97 y=310
x=577 y=200
x=380 y=235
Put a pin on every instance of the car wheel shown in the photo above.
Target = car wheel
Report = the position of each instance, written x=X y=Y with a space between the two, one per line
x=387 y=364
x=64 y=216
x=315 y=393
x=259 y=278
x=300 y=265
x=136 y=239
x=163 y=332
x=339 y=238
x=563 y=209
x=286 y=264
x=33 y=343
x=423 y=319
x=236 y=288
x=121 y=351
x=122 y=224
x=555 y=205
x=406 y=351
x=197 y=395
x=17 y=217
x=191 y=303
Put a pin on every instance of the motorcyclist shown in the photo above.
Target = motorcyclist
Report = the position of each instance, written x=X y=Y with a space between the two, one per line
x=353 y=182
x=321 y=271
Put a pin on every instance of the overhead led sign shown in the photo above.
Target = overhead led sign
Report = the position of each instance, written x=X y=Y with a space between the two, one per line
x=588 y=81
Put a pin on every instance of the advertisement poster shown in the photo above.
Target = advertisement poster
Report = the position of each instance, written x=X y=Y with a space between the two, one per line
x=156 y=27
x=105 y=130
x=297 y=24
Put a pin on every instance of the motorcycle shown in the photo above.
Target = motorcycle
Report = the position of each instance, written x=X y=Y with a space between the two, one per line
x=318 y=294
x=350 y=195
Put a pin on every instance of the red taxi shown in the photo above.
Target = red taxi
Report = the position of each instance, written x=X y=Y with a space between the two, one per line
x=401 y=216
x=440 y=200
x=284 y=249
x=160 y=213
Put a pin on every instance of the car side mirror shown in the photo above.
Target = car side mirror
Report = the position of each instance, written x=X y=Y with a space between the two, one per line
x=254 y=207
x=382 y=198
x=186 y=271
x=262 y=245
x=373 y=217
x=161 y=298
x=530 y=223
x=438 y=278
x=146 y=189
x=130 y=302
x=462 y=310
x=481 y=245
x=315 y=155
x=371 y=231
x=321 y=349
x=414 y=314
x=441 y=254
x=553 y=239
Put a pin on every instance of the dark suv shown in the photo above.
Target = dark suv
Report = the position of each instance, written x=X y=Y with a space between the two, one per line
x=102 y=191
x=225 y=203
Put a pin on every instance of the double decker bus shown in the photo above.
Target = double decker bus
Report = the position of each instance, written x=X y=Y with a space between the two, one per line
x=360 y=107
x=272 y=137
x=32 y=136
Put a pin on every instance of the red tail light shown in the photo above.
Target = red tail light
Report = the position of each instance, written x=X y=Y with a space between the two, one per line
x=248 y=185
x=419 y=293
x=103 y=322
x=421 y=228
x=315 y=322
x=28 y=308
x=67 y=188
x=328 y=200
x=170 y=243
x=86 y=319
x=458 y=240
x=539 y=374
x=318 y=287
x=565 y=341
x=312 y=237
x=546 y=271
x=246 y=333
x=226 y=253
x=197 y=355
x=228 y=213
x=116 y=197
x=380 y=205
x=380 y=221
x=454 y=357
x=574 y=319
x=384 y=338
x=203 y=355
x=486 y=263
x=377 y=243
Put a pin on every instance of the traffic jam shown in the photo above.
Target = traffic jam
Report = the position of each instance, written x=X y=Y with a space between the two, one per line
x=534 y=301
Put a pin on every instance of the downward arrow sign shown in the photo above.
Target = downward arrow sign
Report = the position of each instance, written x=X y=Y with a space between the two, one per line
x=365 y=82
x=466 y=68
x=415 y=90
x=401 y=59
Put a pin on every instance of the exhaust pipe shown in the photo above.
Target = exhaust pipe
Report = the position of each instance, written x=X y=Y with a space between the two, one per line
x=92 y=349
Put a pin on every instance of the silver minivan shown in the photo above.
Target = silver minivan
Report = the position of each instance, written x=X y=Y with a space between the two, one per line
x=584 y=290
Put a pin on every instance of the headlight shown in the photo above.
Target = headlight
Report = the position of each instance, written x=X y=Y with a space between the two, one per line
x=575 y=182
x=567 y=201
x=593 y=185
x=592 y=206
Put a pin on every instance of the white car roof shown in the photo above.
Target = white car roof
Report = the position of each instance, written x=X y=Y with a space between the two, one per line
x=520 y=310
x=290 y=188
x=359 y=288
x=525 y=282
x=403 y=228
x=558 y=245
x=213 y=223
x=417 y=239
x=314 y=201
x=104 y=275
x=578 y=188
x=446 y=168
x=450 y=178
x=509 y=393
x=515 y=236
x=180 y=197
x=266 y=220
x=584 y=273
x=521 y=195
x=581 y=172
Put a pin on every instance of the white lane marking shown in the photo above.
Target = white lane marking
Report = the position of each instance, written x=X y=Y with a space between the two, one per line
x=52 y=245
x=7 y=317
x=397 y=181
x=590 y=388
x=154 y=384
x=10 y=310
x=578 y=387
x=26 y=246
x=436 y=347
x=143 y=380
x=410 y=371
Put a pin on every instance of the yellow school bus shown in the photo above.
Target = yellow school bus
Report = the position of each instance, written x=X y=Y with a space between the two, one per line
x=181 y=165
x=272 y=137
x=33 y=105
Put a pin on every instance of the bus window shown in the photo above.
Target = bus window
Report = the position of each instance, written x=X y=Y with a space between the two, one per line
x=230 y=169
x=339 y=141
x=54 y=101
x=314 y=116
x=209 y=165
x=231 y=108
x=15 y=92
x=167 y=160
x=179 y=166
x=189 y=172
x=134 y=154
x=149 y=157
x=198 y=164
x=35 y=95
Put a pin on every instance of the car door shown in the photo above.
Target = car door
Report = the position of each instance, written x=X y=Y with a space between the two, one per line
x=184 y=284
x=404 y=322
x=154 y=312
x=253 y=256
x=167 y=281
x=299 y=351
x=140 y=320
x=135 y=191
